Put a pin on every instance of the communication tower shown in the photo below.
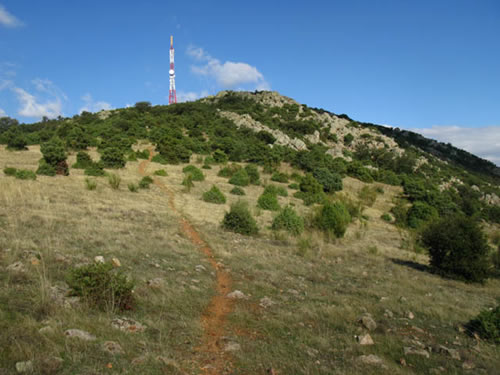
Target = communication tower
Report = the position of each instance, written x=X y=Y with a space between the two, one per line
x=172 y=96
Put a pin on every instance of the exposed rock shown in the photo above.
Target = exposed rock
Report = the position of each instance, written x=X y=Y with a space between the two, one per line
x=112 y=347
x=104 y=114
x=413 y=351
x=232 y=346
x=453 y=353
x=410 y=315
x=116 y=262
x=155 y=283
x=365 y=340
x=79 y=334
x=200 y=268
x=127 y=325
x=99 y=259
x=47 y=330
x=25 y=367
x=236 y=295
x=372 y=360
x=266 y=302
x=468 y=365
x=16 y=267
x=368 y=322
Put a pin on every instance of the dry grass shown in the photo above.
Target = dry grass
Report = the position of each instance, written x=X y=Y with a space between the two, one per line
x=319 y=289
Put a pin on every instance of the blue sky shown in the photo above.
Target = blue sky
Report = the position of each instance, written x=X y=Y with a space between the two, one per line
x=427 y=65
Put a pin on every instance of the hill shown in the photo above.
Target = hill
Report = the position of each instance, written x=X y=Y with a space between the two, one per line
x=292 y=298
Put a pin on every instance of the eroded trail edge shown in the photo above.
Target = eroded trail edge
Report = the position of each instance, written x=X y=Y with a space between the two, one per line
x=215 y=315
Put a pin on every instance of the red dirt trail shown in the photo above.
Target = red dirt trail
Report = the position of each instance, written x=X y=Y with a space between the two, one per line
x=215 y=315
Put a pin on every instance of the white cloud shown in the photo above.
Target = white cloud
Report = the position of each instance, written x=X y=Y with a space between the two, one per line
x=2 y=113
x=190 y=96
x=93 y=106
x=482 y=141
x=30 y=107
x=46 y=86
x=228 y=74
x=7 y=19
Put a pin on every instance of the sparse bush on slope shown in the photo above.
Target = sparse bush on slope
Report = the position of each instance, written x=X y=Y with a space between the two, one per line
x=333 y=218
x=54 y=158
x=457 y=248
x=237 y=191
x=83 y=160
x=113 y=157
x=331 y=181
x=287 y=219
x=240 y=220
x=196 y=173
x=253 y=174
x=214 y=195
x=240 y=178
x=487 y=324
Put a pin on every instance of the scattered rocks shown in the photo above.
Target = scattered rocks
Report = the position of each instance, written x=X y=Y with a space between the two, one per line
x=266 y=302
x=365 y=340
x=25 y=367
x=368 y=322
x=200 y=268
x=468 y=365
x=116 y=262
x=127 y=325
x=413 y=351
x=372 y=360
x=453 y=353
x=79 y=334
x=237 y=294
x=156 y=283
x=17 y=267
x=410 y=315
x=99 y=259
x=112 y=347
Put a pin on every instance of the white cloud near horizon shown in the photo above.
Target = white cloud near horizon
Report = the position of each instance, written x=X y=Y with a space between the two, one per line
x=7 y=19
x=2 y=113
x=31 y=107
x=482 y=141
x=190 y=96
x=229 y=74
x=93 y=106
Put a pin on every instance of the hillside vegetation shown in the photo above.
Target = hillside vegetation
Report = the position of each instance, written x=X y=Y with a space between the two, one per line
x=243 y=233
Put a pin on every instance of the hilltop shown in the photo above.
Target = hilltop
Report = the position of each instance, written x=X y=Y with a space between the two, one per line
x=331 y=277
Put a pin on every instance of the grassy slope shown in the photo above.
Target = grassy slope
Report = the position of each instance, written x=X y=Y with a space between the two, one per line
x=319 y=289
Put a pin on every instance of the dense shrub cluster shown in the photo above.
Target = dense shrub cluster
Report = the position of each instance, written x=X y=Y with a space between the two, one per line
x=240 y=220
x=253 y=174
x=113 y=157
x=214 y=195
x=54 y=158
x=237 y=191
x=330 y=180
x=333 y=219
x=279 y=177
x=240 y=178
x=287 y=219
x=268 y=201
x=83 y=160
x=229 y=170
x=311 y=191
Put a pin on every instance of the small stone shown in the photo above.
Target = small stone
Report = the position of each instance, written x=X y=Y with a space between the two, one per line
x=99 y=259
x=410 y=315
x=16 y=267
x=365 y=340
x=468 y=365
x=200 y=268
x=35 y=261
x=232 y=347
x=155 y=283
x=266 y=302
x=453 y=353
x=59 y=258
x=127 y=325
x=402 y=361
x=78 y=333
x=413 y=351
x=139 y=360
x=368 y=322
x=24 y=367
x=237 y=294
x=116 y=262
x=371 y=360
x=112 y=347
x=402 y=299
x=47 y=330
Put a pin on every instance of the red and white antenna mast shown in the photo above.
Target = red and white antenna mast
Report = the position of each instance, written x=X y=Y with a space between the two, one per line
x=172 y=96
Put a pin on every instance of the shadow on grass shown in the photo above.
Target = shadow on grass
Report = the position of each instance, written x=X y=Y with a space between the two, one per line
x=416 y=266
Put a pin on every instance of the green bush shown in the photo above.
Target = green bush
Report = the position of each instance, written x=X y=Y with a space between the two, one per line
x=45 y=169
x=134 y=188
x=240 y=220
x=386 y=217
x=348 y=138
x=114 y=181
x=487 y=325
x=83 y=160
x=237 y=191
x=420 y=213
x=144 y=154
x=240 y=178
x=24 y=174
x=9 y=171
x=331 y=181
x=158 y=158
x=268 y=201
x=196 y=173
x=333 y=218
x=253 y=174
x=187 y=182
x=54 y=155
x=132 y=156
x=457 y=248
x=229 y=171
x=90 y=184
x=160 y=172
x=113 y=157
x=101 y=286
x=16 y=141
x=288 y=220
x=276 y=190
x=294 y=186
x=95 y=170
x=220 y=157
x=214 y=195
x=145 y=182
x=279 y=177
x=311 y=191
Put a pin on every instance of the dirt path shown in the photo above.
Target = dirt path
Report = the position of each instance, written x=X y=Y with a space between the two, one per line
x=217 y=362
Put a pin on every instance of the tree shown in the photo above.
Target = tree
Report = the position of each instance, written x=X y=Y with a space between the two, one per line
x=55 y=156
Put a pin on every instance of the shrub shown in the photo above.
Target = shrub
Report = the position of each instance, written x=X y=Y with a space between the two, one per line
x=457 y=248
x=240 y=178
x=206 y=166
x=237 y=191
x=145 y=182
x=294 y=186
x=276 y=190
x=368 y=195
x=112 y=157
x=288 y=220
x=253 y=174
x=419 y=213
x=209 y=160
x=9 y=171
x=134 y=188
x=229 y=170
x=96 y=170
x=348 y=138
x=90 y=184
x=45 y=169
x=487 y=324
x=333 y=218
x=83 y=160
x=214 y=195
x=220 y=157
x=114 y=181
x=311 y=191
x=132 y=156
x=101 y=286
x=279 y=177
x=268 y=201
x=240 y=220
x=331 y=181
x=187 y=182
x=160 y=172
x=54 y=155
x=158 y=158
x=17 y=141
x=24 y=174
x=386 y=217
x=144 y=154
x=196 y=173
